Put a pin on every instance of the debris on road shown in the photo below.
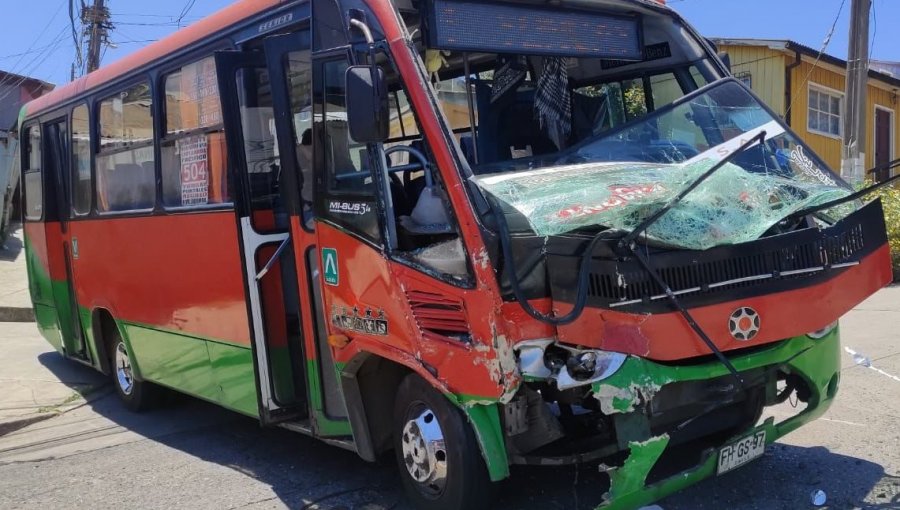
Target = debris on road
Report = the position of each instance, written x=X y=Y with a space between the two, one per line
x=818 y=497
x=865 y=361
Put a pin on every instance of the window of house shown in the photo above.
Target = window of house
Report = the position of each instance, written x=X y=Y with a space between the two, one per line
x=825 y=111
x=82 y=186
x=126 y=176
x=194 y=156
x=34 y=189
x=745 y=77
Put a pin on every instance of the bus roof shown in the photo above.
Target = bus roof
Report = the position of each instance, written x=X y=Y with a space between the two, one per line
x=218 y=21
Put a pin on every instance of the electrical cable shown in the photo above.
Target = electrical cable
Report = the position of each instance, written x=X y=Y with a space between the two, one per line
x=32 y=65
x=818 y=57
x=15 y=69
x=580 y=286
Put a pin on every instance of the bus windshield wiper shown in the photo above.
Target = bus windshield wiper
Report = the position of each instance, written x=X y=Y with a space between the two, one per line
x=647 y=223
x=854 y=196
x=628 y=242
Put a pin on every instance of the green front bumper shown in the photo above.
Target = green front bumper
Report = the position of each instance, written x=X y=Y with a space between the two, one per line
x=817 y=362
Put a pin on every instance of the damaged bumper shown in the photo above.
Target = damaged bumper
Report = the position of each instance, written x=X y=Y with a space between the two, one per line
x=810 y=367
x=659 y=427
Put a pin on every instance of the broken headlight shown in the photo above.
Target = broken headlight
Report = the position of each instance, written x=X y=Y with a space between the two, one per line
x=542 y=360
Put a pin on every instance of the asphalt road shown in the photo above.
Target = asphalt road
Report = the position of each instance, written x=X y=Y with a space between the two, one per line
x=195 y=455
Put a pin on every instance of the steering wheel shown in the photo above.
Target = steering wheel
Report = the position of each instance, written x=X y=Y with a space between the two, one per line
x=420 y=164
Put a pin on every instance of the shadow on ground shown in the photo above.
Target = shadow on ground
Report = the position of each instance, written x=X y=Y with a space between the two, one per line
x=11 y=247
x=307 y=474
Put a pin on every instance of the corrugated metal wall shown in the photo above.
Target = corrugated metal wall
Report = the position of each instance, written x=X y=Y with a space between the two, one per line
x=827 y=147
x=766 y=68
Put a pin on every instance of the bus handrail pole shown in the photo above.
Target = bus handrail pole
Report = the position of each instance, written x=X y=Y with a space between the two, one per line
x=471 y=107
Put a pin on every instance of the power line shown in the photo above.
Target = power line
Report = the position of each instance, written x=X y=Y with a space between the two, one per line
x=15 y=67
x=36 y=50
x=819 y=56
x=75 y=39
x=184 y=12
x=96 y=18
x=34 y=63
x=875 y=29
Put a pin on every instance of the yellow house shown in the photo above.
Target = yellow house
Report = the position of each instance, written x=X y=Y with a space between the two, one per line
x=808 y=91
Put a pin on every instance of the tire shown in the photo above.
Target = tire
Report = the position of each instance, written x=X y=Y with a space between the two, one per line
x=138 y=396
x=439 y=459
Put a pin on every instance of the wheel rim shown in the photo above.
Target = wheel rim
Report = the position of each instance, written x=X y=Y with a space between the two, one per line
x=124 y=376
x=424 y=452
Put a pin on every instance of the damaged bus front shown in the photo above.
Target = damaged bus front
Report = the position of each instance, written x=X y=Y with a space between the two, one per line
x=671 y=259
x=476 y=233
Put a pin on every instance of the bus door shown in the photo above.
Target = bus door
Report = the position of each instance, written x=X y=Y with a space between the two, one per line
x=56 y=161
x=269 y=212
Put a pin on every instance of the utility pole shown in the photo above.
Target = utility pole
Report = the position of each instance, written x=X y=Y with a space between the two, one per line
x=95 y=19
x=854 y=151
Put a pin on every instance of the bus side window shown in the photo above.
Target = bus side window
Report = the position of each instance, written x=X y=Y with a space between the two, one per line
x=82 y=186
x=349 y=197
x=193 y=151
x=126 y=172
x=31 y=160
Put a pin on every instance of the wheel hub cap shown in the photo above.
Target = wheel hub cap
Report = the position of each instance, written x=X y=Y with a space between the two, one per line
x=424 y=453
x=124 y=376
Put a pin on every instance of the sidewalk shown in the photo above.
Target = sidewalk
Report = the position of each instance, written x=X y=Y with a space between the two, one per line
x=36 y=382
x=15 y=302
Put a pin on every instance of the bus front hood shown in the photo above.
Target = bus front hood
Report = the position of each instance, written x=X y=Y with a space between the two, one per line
x=742 y=295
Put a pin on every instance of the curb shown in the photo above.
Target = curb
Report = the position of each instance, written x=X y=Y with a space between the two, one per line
x=15 y=424
x=16 y=314
x=91 y=394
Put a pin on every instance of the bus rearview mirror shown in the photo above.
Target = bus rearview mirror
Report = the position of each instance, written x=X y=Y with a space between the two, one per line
x=368 y=110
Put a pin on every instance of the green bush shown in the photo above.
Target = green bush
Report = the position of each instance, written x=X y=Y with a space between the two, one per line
x=890 y=199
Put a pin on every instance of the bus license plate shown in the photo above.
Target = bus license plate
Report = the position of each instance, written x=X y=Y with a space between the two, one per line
x=737 y=454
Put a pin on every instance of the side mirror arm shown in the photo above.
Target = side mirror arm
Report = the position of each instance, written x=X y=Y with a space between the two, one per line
x=360 y=25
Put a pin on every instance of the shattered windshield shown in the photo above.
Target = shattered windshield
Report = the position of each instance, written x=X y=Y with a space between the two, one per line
x=619 y=177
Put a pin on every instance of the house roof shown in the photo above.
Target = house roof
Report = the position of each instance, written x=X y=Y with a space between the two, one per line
x=25 y=81
x=788 y=45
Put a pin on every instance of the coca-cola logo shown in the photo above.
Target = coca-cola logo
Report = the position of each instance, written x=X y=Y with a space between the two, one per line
x=619 y=196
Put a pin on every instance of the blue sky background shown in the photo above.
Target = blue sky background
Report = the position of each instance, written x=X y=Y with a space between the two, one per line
x=36 y=37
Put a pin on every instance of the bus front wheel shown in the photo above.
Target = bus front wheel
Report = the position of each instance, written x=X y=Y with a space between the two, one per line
x=439 y=458
x=135 y=394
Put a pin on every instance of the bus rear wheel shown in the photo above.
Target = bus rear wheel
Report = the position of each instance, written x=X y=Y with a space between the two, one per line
x=439 y=458
x=137 y=395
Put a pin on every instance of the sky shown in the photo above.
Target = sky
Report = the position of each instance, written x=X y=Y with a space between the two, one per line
x=36 y=36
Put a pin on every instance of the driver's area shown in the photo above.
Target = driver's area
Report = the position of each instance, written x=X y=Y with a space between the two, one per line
x=425 y=228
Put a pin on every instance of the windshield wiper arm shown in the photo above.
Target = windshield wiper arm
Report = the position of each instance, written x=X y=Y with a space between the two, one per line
x=854 y=196
x=628 y=240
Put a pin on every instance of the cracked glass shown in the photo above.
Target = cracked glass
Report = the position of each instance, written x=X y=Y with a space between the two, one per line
x=619 y=178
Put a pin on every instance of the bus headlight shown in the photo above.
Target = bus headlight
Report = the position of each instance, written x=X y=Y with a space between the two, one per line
x=822 y=333
x=543 y=360
x=586 y=367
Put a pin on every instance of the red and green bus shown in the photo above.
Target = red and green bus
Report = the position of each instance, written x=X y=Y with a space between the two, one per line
x=477 y=234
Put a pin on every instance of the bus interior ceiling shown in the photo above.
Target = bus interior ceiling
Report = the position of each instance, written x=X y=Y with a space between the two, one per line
x=512 y=116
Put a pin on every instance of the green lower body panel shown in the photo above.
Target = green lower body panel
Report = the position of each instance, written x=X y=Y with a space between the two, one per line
x=232 y=368
x=624 y=397
x=214 y=371
x=46 y=319
x=815 y=362
x=325 y=425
